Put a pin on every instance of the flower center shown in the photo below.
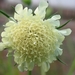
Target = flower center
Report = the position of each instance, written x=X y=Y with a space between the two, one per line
x=33 y=40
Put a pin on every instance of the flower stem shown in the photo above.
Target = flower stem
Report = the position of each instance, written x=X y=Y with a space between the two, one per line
x=42 y=71
x=71 y=71
x=29 y=73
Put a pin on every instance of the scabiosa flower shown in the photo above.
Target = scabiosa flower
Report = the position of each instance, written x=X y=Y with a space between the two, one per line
x=34 y=40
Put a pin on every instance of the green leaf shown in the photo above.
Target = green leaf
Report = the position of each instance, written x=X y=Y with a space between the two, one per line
x=11 y=18
x=4 y=14
x=61 y=61
x=64 y=24
x=28 y=2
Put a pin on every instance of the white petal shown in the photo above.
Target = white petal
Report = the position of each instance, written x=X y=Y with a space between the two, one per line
x=2 y=46
x=27 y=12
x=19 y=8
x=9 y=52
x=10 y=23
x=66 y=32
x=16 y=57
x=11 y=18
x=26 y=9
x=40 y=10
x=31 y=66
x=54 y=20
x=58 y=51
x=55 y=17
x=21 y=67
x=45 y=66
x=55 y=23
x=3 y=34
x=51 y=58
x=4 y=40
x=17 y=16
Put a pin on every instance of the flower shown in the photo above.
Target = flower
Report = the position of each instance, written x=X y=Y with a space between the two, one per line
x=34 y=40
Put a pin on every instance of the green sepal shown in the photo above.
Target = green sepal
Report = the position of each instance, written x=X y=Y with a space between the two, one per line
x=61 y=61
x=64 y=24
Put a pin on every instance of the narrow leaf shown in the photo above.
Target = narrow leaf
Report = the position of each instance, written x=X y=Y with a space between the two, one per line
x=7 y=16
x=14 y=9
x=64 y=24
x=4 y=14
x=61 y=61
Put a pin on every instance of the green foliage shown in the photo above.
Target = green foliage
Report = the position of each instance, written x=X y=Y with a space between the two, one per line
x=28 y=2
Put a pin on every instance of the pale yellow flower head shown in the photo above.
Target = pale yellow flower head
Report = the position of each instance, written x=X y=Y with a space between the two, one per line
x=35 y=41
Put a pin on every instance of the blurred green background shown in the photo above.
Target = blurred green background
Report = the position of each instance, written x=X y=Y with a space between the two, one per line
x=7 y=65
